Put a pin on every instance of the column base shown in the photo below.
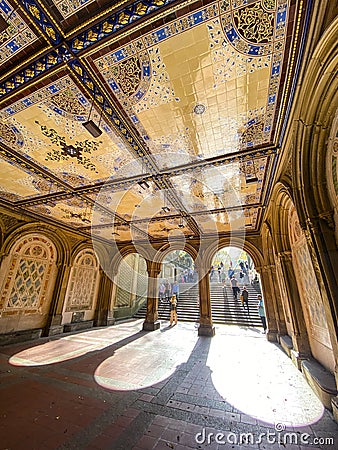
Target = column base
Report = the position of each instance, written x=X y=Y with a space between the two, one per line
x=297 y=358
x=53 y=330
x=272 y=336
x=151 y=326
x=206 y=330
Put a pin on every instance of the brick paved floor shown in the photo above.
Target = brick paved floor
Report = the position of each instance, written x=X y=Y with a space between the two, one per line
x=120 y=388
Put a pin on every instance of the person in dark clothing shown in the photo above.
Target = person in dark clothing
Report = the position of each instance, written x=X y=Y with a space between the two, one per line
x=245 y=296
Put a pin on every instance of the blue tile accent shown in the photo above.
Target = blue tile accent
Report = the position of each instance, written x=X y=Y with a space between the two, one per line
x=139 y=94
x=281 y=16
x=5 y=7
x=275 y=70
x=254 y=50
x=119 y=55
x=232 y=35
x=272 y=98
x=198 y=18
x=161 y=34
x=146 y=70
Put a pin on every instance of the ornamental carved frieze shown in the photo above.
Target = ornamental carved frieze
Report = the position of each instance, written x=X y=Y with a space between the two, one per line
x=7 y=134
x=8 y=221
x=128 y=75
x=255 y=24
x=68 y=102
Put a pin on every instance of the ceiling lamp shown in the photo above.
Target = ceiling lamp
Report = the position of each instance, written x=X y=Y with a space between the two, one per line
x=181 y=224
x=143 y=184
x=91 y=126
x=165 y=208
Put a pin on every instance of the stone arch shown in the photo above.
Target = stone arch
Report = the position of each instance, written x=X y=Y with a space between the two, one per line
x=314 y=119
x=281 y=201
x=82 y=288
x=246 y=245
x=55 y=235
x=310 y=294
x=28 y=276
x=315 y=133
x=131 y=284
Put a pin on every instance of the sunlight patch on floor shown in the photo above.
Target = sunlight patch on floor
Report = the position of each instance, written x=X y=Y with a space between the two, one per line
x=259 y=379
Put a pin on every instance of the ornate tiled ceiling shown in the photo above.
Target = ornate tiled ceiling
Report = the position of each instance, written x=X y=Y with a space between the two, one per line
x=191 y=98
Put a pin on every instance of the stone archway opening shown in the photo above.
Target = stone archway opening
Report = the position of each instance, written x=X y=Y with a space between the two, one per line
x=234 y=289
x=131 y=285
x=178 y=276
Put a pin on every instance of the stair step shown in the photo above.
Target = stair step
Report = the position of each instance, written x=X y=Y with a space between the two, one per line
x=225 y=309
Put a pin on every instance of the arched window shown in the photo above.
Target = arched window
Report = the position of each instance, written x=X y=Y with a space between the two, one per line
x=29 y=271
x=83 y=282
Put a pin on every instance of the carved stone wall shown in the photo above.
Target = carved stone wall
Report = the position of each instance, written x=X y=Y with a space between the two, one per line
x=82 y=287
x=27 y=283
x=312 y=304
x=332 y=170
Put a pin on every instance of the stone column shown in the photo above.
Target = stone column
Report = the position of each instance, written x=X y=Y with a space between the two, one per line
x=300 y=341
x=53 y=325
x=206 y=327
x=151 y=322
x=274 y=311
x=102 y=313
x=268 y=303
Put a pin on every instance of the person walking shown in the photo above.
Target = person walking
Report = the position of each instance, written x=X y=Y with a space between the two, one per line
x=245 y=296
x=162 y=292
x=176 y=290
x=234 y=285
x=173 y=310
x=261 y=312
x=167 y=291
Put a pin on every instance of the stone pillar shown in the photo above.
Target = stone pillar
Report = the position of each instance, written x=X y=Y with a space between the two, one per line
x=274 y=311
x=53 y=325
x=300 y=342
x=272 y=332
x=151 y=322
x=206 y=327
x=102 y=313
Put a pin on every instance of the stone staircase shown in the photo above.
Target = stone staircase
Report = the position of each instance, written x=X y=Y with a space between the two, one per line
x=225 y=310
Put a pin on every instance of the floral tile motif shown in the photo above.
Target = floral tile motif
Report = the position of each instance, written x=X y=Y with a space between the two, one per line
x=17 y=36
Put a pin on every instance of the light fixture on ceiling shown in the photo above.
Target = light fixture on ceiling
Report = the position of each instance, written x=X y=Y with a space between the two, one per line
x=165 y=208
x=91 y=126
x=143 y=184
x=181 y=223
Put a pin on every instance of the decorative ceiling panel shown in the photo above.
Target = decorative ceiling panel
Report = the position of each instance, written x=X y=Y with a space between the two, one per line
x=226 y=186
x=204 y=85
x=46 y=127
x=191 y=98
x=18 y=184
x=68 y=7
x=74 y=212
x=17 y=36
